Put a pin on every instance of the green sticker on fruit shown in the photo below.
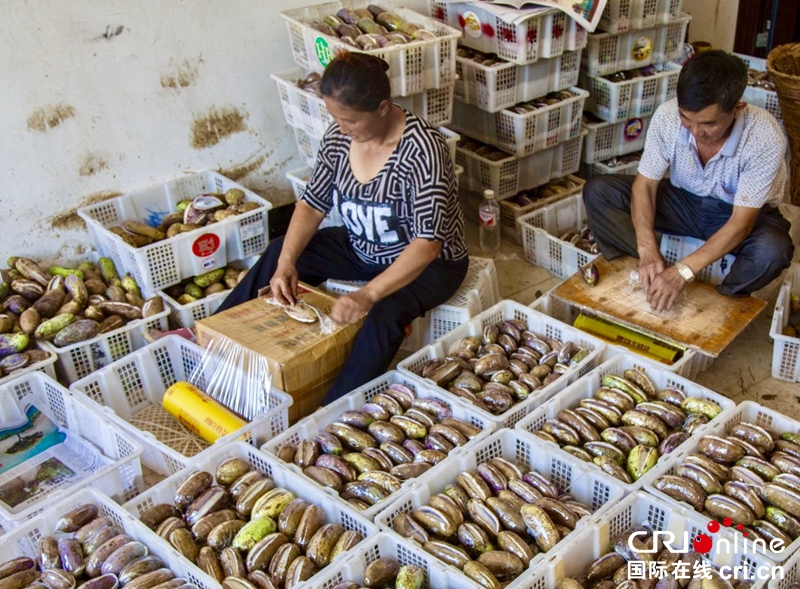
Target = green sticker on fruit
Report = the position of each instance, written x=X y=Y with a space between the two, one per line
x=323 y=51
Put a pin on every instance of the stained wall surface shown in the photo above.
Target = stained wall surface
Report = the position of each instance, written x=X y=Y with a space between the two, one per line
x=98 y=98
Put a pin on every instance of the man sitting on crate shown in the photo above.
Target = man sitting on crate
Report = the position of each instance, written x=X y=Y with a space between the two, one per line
x=727 y=174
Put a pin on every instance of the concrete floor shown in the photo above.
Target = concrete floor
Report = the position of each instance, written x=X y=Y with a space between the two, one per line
x=742 y=372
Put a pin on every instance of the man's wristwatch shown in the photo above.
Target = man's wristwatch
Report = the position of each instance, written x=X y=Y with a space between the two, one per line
x=685 y=272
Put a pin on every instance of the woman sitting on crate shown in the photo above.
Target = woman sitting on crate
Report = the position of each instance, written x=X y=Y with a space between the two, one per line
x=390 y=176
x=727 y=174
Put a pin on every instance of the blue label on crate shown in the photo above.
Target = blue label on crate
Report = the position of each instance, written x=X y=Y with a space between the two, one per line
x=209 y=263
x=633 y=129
x=323 y=51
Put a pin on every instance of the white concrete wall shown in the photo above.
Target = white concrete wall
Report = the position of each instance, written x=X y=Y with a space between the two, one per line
x=100 y=97
x=713 y=21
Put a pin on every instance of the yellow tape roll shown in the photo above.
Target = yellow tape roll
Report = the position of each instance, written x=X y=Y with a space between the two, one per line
x=630 y=338
x=200 y=413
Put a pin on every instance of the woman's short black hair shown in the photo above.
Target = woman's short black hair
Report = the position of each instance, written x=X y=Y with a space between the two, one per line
x=356 y=80
x=711 y=77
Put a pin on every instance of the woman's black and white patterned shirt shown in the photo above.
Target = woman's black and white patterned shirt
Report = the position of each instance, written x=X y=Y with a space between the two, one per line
x=413 y=196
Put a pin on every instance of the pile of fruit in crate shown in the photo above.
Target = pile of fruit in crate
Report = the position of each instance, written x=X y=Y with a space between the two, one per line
x=624 y=76
x=238 y=523
x=503 y=366
x=623 y=160
x=370 y=28
x=88 y=550
x=485 y=59
x=497 y=515
x=792 y=328
x=583 y=239
x=547 y=100
x=65 y=305
x=552 y=188
x=482 y=149
x=750 y=476
x=199 y=287
x=190 y=214
x=760 y=79
x=367 y=453
x=676 y=569
x=627 y=424
x=387 y=572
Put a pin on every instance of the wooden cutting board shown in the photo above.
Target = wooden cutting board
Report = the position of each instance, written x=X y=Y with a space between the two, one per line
x=701 y=318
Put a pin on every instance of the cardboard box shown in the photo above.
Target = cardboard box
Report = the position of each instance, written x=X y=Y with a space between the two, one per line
x=302 y=360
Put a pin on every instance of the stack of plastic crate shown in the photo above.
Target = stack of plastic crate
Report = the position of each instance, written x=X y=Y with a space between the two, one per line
x=517 y=106
x=421 y=73
x=628 y=70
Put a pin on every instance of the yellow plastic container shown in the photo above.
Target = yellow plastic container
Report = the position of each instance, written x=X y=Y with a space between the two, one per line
x=203 y=415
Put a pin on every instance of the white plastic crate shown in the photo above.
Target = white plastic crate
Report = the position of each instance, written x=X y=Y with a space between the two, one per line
x=662 y=378
x=383 y=545
x=527 y=133
x=545 y=34
x=607 y=53
x=594 y=489
x=676 y=247
x=688 y=366
x=791 y=573
x=495 y=87
x=83 y=358
x=511 y=211
x=139 y=381
x=540 y=236
x=185 y=315
x=638 y=97
x=642 y=509
x=786 y=349
x=511 y=174
x=413 y=67
x=539 y=324
x=624 y=15
x=169 y=261
x=311 y=425
x=305 y=110
x=607 y=140
x=749 y=412
x=120 y=479
x=47 y=366
x=758 y=96
x=24 y=541
x=164 y=492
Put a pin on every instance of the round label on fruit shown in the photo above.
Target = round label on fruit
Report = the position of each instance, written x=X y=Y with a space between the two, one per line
x=205 y=245
x=642 y=48
x=472 y=24
x=633 y=129
x=323 y=51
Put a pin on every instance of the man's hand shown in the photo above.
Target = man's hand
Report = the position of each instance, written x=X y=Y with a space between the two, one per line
x=351 y=307
x=651 y=265
x=665 y=289
x=284 y=284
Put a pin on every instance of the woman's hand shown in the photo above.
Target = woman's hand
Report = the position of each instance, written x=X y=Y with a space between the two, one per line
x=351 y=307
x=284 y=284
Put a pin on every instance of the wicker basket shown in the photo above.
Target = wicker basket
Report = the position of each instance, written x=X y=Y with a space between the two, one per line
x=783 y=64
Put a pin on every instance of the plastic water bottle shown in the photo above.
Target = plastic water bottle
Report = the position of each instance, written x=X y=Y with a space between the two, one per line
x=489 y=223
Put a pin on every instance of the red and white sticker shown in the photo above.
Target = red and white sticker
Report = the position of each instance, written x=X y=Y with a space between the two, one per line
x=205 y=245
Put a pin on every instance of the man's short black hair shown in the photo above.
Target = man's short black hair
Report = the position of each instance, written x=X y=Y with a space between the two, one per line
x=711 y=77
